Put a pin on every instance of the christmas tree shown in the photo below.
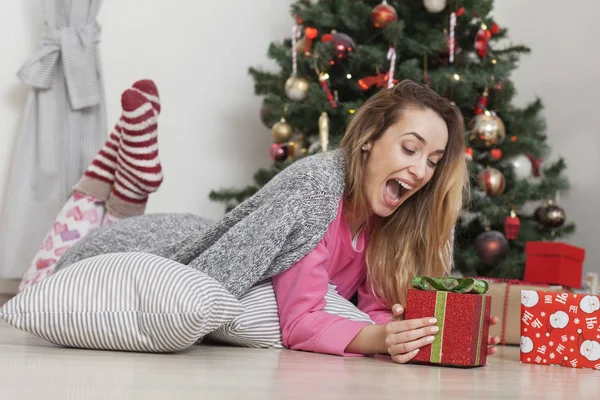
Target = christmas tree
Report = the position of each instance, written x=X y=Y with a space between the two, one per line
x=340 y=52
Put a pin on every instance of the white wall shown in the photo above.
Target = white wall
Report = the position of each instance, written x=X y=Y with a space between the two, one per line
x=198 y=52
x=563 y=71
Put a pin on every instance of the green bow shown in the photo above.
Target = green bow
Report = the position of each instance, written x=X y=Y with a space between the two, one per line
x=450 y=284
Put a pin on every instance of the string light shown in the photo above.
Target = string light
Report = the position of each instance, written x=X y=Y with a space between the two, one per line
x=349 y=76
x=484 y=27
x=494 y=61
x=352 y=111
x=456 y=77
x=487 y=113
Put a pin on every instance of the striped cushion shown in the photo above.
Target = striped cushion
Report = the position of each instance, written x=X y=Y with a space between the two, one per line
x=258 y=326
x=123 y=301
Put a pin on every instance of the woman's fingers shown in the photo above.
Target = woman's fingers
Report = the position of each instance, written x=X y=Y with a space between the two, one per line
x=494 y=321
x=409 y=325
x=409 y=336
x=493 y=340
x=409 y=347
x=404 y=358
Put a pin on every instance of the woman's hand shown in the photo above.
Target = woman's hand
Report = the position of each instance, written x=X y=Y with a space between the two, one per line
x=493 y=340
x=404 y=338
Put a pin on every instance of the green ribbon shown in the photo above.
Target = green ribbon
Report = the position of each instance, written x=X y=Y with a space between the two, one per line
x=450 y=284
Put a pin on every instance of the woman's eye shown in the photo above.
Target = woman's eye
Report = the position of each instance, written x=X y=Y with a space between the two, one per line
x=408 y=151
x=432 y=164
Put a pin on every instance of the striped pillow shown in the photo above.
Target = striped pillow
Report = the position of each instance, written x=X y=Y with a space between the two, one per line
x=123 y=301
x=258 y=326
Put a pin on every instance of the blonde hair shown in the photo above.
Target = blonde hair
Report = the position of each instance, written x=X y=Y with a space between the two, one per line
x=416 y=238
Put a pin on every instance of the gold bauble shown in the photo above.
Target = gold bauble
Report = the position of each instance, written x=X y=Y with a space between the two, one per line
x=296 y=88
x=300 y=46
x=487 y=130
x=491 y=181
x=282 y=131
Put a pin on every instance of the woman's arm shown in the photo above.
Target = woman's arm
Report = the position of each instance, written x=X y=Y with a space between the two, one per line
x=300 y=293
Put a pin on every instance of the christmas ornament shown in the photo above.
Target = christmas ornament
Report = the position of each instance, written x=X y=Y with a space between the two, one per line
x=380 y=80
x=521 y=166
x=278 y=152
x=434 y=6
x=512 y=225
x=266 y=112
x=310 y=34
x=391 y=55
x=496 y=154
x=482 y=42
x=452 y=41
x=282 y=131
x=296 y=88
x=495 y=29
x=383 y=15
x=491 y=181
x=552 y=216
x=487 y=130
x=294 y=150
x=323 y=77
x=324 y=131
x=343 y=45
x=482 y=102
x=491 y=247
x=538 y=214
x=469 y=154
x=536 y=164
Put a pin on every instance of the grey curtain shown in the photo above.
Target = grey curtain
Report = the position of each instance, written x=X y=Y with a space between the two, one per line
x=63 y=127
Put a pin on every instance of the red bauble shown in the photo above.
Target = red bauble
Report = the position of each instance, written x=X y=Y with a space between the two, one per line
x=278 y=152
x=537 y=164
x=383 y=15
x=481 y=103
x=482 y=43
x=343 y=45
x=511 y=226
x=495 y=29
x=491 y=246
x=496 y=154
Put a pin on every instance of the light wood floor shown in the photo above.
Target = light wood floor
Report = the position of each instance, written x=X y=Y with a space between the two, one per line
x=30 y=368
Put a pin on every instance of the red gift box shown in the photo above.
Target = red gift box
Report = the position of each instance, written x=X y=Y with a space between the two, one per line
x=464 y=321
x=560 y=329
x=554 y=263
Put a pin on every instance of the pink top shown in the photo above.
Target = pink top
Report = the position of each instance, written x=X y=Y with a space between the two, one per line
x=301 y=290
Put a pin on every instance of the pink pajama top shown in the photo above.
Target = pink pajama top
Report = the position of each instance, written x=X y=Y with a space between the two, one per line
x=301 y=290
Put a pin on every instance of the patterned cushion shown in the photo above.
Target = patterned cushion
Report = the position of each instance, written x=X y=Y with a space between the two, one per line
x=258 y=326
x=123 y=301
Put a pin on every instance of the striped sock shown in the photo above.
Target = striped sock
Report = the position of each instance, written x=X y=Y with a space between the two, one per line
x=138 y=172
x=98 y=179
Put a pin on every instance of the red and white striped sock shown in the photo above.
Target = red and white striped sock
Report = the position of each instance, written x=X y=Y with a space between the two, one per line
x=139 y=171
x=98 y=179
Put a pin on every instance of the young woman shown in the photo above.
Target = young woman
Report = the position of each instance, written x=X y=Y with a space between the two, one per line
x=365 y=218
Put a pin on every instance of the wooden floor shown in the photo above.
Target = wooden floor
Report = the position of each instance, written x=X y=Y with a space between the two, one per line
x=33 y=369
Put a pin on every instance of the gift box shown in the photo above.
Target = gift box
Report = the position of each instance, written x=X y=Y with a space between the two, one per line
x=463 y=315
x=506 y=305
x=554 y=263
x=560 y=329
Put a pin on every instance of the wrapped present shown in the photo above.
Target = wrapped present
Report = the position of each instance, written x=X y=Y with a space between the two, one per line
x=554 y=263
x=506 y=305
x=463 y=313
x=560 y=329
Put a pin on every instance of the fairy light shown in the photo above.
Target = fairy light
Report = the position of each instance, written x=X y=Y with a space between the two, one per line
x=484 y=27
x=349 y=76
x=352 y=111
x=456 y=77
x=487 y=113
x=494 y=61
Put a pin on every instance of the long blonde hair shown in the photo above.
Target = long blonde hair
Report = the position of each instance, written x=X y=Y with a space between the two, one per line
x=416 y=238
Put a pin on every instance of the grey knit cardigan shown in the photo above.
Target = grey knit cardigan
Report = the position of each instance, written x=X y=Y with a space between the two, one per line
x=265 y=235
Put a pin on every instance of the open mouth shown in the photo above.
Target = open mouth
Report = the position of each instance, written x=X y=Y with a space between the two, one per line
x=395 y=190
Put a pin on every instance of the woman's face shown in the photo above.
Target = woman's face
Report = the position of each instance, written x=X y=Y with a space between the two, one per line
x=403 y=159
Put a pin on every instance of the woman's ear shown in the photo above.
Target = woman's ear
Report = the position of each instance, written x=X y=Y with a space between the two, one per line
x=367 y=146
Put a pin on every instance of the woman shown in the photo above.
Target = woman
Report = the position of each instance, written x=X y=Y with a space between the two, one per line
x=365 y=218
